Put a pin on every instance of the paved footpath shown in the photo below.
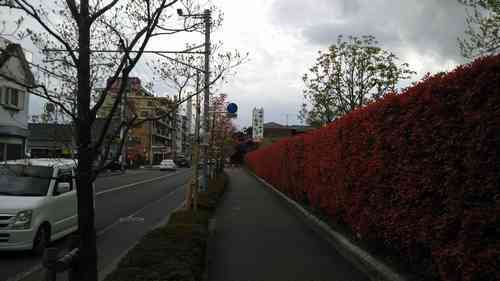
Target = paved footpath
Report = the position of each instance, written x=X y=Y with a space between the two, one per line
x=258 y=238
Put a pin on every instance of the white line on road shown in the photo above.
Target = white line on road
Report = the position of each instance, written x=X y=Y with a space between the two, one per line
x=24 y=274
x=135 y=184
x=103 y=273
x=102 y=231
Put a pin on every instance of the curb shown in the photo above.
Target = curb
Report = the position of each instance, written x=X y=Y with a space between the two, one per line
x=375 y=269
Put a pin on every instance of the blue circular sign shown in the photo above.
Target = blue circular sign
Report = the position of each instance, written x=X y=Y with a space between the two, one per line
x=232 y=108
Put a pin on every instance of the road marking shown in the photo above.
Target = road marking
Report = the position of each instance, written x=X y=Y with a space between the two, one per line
x=37 y=267
x=102 y=231
x=106 y=270
x=131 y=219
x=136 y=183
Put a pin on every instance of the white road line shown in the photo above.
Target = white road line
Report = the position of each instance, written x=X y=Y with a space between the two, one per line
x=106 y=270
x=177 y=188
x=135 y=184
x=22 y=275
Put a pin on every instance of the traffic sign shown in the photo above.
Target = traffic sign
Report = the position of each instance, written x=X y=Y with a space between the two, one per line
x=232 y=108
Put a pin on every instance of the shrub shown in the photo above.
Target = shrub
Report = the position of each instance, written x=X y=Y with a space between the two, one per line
x=417 y=171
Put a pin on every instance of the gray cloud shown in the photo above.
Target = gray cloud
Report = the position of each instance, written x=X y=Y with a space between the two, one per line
x=423 y=26
x=303 y=13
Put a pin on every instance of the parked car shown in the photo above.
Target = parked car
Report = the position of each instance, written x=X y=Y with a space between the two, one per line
x=38 y=203
x=182 y=162
x=114 y=166
x=168 y=164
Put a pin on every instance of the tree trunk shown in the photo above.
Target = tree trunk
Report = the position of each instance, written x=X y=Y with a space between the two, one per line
x=87 y=264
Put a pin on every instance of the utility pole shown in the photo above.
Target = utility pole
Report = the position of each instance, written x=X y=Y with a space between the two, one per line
x=206 y=101
x=206 y=17
x=193 y=190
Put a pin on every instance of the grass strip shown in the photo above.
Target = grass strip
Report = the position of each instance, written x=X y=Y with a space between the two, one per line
x=176 y=251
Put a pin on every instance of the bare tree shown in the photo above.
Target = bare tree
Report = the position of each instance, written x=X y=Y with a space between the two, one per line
x=82 y=42
x=179 y=71
x=222 y=129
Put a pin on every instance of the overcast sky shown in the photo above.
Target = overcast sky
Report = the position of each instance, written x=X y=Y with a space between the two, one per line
x=284 y=36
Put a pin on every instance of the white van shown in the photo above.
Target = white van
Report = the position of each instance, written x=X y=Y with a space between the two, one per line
x=38 y=203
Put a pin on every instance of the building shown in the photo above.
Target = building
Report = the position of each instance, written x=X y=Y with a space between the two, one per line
x=150 y=141
x=274 y=131
x=182 y=136
x=14 y=100
x=51 y=140
x=258 y=124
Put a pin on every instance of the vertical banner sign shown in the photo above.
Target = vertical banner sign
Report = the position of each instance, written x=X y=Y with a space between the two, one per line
x=258 y=124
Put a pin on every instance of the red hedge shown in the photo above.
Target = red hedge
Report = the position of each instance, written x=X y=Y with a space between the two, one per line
x=418 y=171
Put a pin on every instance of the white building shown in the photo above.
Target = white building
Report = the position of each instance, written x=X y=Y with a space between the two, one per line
x=258 y=124
x=15 y=77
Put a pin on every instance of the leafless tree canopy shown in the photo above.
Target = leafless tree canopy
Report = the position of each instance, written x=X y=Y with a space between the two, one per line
x=86 y=47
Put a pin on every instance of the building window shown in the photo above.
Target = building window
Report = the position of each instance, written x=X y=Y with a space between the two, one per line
x=2 y=151
x=12 y=98
x=14 y=151
x=150 y=103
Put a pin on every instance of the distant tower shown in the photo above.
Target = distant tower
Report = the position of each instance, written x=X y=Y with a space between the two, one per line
x=258 y=124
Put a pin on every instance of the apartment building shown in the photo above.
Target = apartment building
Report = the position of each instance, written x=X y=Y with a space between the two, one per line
x=150 y=141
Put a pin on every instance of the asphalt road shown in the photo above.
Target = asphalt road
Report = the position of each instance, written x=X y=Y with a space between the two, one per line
x=127 y=206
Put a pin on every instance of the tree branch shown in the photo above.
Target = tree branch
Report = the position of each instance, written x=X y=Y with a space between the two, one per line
x=30 y=10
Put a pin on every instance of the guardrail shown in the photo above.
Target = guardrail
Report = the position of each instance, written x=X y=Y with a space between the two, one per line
x=68 y=262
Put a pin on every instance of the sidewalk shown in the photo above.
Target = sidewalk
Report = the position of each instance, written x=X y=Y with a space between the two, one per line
x=258 y=238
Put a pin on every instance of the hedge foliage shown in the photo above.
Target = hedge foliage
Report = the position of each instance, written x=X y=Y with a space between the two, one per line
x=418 y=172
